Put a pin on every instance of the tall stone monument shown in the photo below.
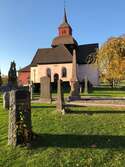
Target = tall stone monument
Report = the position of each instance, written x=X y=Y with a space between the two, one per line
x=45 y=90
x=60 y=106
x=20 y=128
x=75 y=87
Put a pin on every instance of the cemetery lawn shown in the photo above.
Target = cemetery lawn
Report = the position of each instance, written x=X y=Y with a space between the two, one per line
x=103 y=91
x=78 y=139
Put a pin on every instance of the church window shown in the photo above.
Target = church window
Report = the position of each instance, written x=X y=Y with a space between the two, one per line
x=48 y=72
x=34 y=75
x=64 y=72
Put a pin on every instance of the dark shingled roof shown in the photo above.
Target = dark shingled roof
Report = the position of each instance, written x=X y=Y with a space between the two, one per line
x=86 y=51
x=56 y=55
x=25 y=69
x=64 y=40
x=61 y=54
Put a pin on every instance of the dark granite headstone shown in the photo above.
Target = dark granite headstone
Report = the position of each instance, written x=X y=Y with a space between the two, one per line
x=60 y=106
x=20 y=128
x=45 y=90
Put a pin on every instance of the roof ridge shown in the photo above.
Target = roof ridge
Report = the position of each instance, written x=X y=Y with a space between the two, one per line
x=66 y=49
x=43 y=48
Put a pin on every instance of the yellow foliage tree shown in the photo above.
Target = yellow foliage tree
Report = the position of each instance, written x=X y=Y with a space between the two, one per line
x=111 y=60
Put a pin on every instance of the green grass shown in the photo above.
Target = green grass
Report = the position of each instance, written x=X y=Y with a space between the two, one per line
x=86 y=137
x=107 y=92
x=103 y=91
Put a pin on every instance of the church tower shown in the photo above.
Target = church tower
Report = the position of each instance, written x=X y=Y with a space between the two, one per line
x=65 y=28
x=65 y=35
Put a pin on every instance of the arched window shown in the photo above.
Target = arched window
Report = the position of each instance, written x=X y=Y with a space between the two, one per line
x=64 y=72
x=34 y=75
x=48 y=72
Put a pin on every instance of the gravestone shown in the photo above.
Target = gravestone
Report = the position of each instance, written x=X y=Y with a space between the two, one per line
x=75 y=87
x=6 y=100
x=60 y=106
x=86 y=85
x=0 y=79
x=31 y=86
x=20 y=128
x=45 y=90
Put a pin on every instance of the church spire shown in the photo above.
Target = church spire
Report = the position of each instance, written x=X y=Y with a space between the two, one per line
x=64 y=33
x=65 y=16
x=65 y=28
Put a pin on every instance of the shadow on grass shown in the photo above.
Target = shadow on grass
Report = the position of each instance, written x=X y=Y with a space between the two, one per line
x=78 y=141
x=102 y=98
x=70 y=111
x=43 y=106
x=109 y=89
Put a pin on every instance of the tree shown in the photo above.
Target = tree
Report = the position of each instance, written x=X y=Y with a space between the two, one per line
x=0 y=79
x=111 y=60
x=12 y=76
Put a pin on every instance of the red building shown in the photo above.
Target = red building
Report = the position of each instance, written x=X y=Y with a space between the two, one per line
x=24 y=75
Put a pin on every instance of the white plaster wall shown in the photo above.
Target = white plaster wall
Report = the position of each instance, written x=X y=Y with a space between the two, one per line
x=55 y=68
x=89 y=70
x=33 y=74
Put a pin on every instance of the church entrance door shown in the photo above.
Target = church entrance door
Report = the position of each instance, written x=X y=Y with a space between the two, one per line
x=56 y=77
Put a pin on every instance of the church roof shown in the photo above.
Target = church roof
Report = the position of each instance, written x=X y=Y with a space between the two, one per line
x=25 y=69
x=61 y=54
x=56 y=55
x=65 y=40
x=86 y=52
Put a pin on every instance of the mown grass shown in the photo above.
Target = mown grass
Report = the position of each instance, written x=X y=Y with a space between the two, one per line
x=103 y=91
x=106 y=91
x=75 y=139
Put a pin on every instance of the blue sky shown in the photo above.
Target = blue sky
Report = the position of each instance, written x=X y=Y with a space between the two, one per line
x=26 y=25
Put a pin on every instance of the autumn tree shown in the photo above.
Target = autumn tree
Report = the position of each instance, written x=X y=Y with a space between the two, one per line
x=111 y=60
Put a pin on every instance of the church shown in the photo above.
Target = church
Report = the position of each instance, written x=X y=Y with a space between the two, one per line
x=56 y=61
